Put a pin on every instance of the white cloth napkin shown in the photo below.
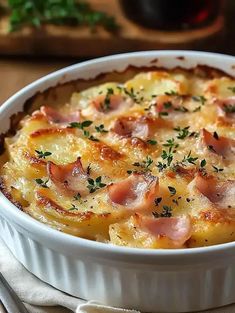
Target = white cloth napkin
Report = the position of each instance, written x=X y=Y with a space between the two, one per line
x=42 y=298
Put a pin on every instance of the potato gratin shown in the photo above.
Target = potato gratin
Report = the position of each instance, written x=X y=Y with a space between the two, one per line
x=148 y=163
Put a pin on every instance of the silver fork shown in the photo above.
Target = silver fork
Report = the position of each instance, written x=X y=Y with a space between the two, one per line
x=9 y=298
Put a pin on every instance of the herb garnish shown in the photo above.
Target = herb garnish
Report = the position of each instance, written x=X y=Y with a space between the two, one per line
x=157 y=201
x=88 y=170
x=73 y=207
x=200 y=99
x=171 y=93
x=96 y=184
x=166 y=212
x=217 y=170
x=152 y=142
x=168 y=155
x=82 y=126
x=189 y=159
x=202 y=168
x=163 y=113
x=161 y=166
x=194 y=134
x=101 y=129
x=203 y=163
x=197 y=109
x=181 y=109
x=171 y=144
x=172 y=190
x=105 y=105
x=145 y=164
x=167 y=105
x=43 y=155
x=77 y=196
x=182 y=132
x=131 y=94
x=232 y=89
x=59 y=12
x=42 y=183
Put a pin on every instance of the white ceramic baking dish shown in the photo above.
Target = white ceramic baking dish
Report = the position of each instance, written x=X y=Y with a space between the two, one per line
x=147 y=280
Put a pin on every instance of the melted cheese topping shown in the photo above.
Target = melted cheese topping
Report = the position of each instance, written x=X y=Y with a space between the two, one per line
x=155 y=168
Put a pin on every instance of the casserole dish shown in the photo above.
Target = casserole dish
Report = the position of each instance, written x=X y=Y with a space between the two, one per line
x=147 y=280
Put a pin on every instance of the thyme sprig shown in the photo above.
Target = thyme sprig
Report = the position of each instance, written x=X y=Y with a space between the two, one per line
x=101 y=129
x=42 y=155
x=145 y=164
x=189 y=159
x=42 y=183
x=95 y=184
x=166 y=212
x=82 y=126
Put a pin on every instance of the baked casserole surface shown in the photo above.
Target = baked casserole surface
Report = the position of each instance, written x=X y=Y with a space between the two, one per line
x=147 y=163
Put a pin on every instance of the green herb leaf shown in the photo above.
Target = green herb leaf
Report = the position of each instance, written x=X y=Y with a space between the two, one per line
x=145 y=164
x=171 y=144
x=105 y=105
x=152 y=142
x=200 y=99
x=96 y=184
x=100 y=129
x=59 y=12
x=161 y=166
x=232 y=89
x=182 y=132
x=217 y=170
x=77 y=196
x=189 y=159
x=197 y=109
x=82 y=125
x=163 y=113
x=172 y=93
x=167 y=105
x=42 y=183
x=86 y=124
x=166 y=212
x=167 y=155
x=172 y=190
x=42 y=155
x=157 y=201
x=203 y=163
x=181 y=109
x=73 y=207
x=133 y=95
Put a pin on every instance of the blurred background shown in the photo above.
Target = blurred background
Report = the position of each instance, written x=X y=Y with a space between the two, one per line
x=40 y=36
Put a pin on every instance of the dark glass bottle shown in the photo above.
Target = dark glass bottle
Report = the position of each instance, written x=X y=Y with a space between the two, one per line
x=172 y=14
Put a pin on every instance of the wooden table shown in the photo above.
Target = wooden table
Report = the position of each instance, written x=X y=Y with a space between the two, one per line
x=17 y=73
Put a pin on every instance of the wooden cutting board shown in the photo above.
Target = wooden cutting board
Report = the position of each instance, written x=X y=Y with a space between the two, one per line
x=80 y=41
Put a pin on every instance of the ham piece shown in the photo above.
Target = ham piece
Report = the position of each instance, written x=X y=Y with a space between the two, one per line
x=176 y=230
x=70 y=178
x=53 y=116
x=136 y=192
